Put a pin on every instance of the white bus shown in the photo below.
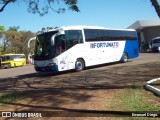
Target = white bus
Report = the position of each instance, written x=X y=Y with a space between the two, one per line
x=77 y=47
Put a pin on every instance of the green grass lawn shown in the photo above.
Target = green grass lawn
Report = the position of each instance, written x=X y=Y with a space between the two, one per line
x=135 y=99
x=9 y=97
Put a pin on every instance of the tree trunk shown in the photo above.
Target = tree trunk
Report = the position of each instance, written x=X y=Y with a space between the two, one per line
x=156 y=6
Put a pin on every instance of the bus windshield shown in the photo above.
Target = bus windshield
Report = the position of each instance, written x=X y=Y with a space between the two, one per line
x=44 y=49
x=5 y=58
x=10 y=57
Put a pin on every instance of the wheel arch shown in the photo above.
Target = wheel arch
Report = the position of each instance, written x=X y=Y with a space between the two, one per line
x=80 y=58
x=126 y=54
x=122 y=58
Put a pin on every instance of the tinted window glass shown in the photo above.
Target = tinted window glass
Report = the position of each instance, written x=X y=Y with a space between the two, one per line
x=91 y=34
x=20 y=56
x=108 y=35
x=73 y=37
x=60 y=44
x=43 y=47
x=156 y=41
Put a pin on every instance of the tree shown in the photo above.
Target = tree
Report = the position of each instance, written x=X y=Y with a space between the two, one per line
x=26 y=36
x=156 y=5
x=2 y=29
x=8 y=38
x=14 y=28
x=4 y=3
x=14 y=41
x=42 y=7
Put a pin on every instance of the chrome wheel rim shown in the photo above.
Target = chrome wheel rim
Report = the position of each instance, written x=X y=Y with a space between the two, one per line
x=79 y=65
x=125 y=58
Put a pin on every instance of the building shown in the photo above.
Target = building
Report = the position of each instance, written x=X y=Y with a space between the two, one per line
x=147 y=30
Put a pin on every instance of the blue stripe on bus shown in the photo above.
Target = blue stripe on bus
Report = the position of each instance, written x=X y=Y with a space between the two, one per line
x=131 y=48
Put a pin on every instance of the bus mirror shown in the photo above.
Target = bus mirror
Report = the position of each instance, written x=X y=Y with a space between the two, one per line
x=61 y=32
x=34 y=38
x=53 y=39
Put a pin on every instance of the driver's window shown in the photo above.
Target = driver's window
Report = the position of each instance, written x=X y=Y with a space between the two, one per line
x=60 y=43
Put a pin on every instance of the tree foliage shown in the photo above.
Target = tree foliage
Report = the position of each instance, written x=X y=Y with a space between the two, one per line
x=42 y=7
x=2 y=29
x=14 y=28
x=4 y=3
x=14 y=41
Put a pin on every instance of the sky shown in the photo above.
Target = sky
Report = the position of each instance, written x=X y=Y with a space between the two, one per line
x=107 y=13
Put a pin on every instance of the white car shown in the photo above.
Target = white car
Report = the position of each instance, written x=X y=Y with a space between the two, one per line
x=155 y=44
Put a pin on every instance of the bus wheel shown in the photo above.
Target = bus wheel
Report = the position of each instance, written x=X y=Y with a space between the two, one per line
x=125 y=58
x=79 y=65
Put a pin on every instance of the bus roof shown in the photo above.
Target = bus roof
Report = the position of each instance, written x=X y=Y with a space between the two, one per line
x=86 y=27
x=10 y=54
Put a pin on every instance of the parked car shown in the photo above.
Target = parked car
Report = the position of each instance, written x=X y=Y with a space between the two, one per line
x=155 y=44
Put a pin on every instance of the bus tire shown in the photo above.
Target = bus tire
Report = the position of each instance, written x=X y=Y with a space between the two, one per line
x=79 y=65
x=125 y=58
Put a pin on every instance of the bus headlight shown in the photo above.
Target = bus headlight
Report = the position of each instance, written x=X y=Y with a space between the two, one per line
x=51 y=64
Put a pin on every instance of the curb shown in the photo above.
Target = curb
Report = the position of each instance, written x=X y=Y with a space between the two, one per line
x=151 y=88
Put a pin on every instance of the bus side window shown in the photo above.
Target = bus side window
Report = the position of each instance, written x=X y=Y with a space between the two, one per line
x=73 y=37
x=7 y=58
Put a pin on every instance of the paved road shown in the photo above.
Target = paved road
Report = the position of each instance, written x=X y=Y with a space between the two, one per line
x=12 y=72
x=29 y=69
x=26 y=78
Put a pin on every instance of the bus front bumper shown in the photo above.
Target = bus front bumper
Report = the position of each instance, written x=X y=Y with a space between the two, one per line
x=46 y=68
x=5 y=65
